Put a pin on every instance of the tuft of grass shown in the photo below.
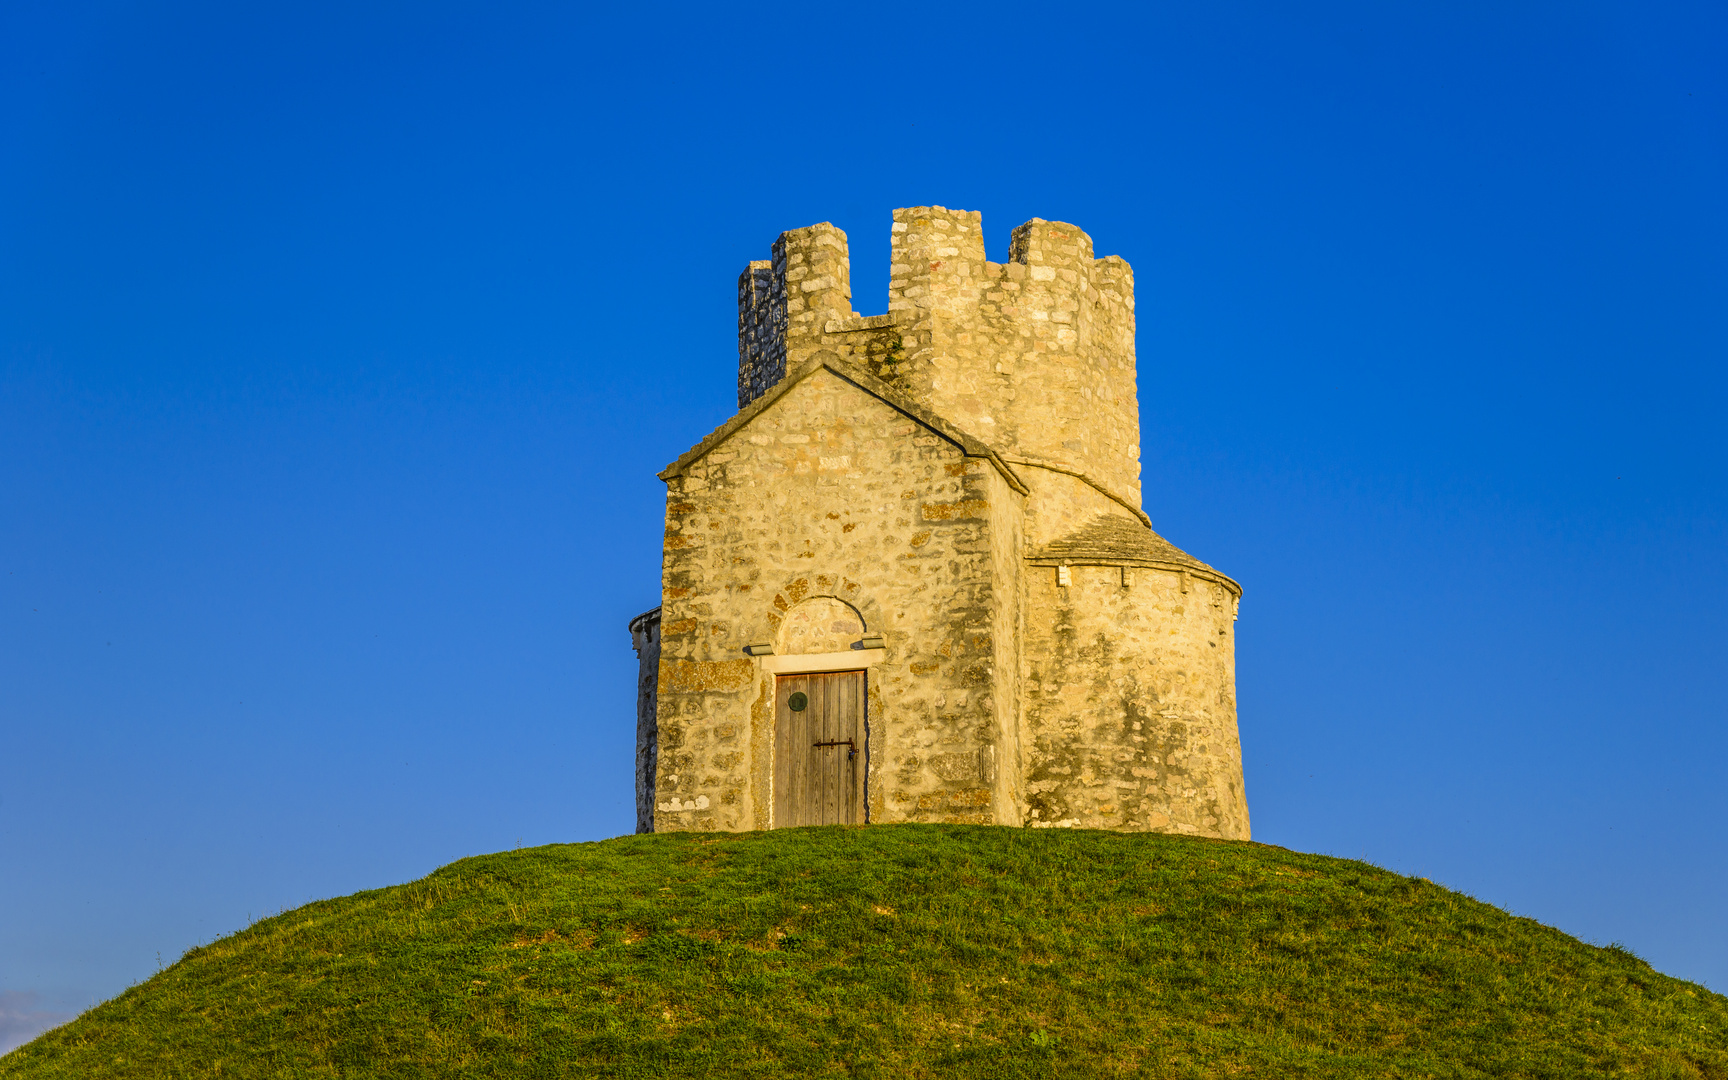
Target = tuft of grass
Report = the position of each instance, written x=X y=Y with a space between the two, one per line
x=899 y=951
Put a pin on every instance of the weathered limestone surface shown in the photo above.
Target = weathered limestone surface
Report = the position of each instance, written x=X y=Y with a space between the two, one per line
x=959 y=477
x=827 y=509
x=1130 y=704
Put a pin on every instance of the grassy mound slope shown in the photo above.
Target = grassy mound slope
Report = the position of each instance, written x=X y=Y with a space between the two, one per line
x=903 y=951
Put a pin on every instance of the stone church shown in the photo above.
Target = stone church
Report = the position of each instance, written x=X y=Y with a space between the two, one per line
x=911 y=579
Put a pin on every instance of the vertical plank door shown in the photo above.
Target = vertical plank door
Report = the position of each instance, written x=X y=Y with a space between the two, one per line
x=820 y=766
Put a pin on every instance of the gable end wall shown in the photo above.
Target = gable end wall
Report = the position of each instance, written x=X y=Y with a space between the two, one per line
x=829 y=491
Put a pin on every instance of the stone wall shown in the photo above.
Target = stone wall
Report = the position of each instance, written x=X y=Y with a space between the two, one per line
x=761 y=330
x=1130 y=705
x=830 y=491
x=645 y=638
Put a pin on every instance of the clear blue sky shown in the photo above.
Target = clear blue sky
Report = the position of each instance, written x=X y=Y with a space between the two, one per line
x=339 y=346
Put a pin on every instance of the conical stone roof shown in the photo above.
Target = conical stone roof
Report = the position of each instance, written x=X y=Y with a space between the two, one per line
x=1114 y=540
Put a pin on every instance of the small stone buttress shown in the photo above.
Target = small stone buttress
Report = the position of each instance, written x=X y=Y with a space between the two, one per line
x=911 y=580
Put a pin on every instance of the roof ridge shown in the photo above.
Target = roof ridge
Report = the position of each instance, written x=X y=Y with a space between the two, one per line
x=870 y=384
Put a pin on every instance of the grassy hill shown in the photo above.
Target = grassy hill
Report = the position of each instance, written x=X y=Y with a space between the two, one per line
x=903 y=951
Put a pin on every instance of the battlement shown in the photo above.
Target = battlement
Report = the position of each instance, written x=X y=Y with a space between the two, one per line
x=784 y=302
x=1035 y=355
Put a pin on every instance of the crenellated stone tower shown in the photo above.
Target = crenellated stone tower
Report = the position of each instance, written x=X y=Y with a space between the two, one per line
x=911 y=580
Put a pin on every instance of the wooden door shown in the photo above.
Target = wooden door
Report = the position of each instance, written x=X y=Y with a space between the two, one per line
x=820 y=765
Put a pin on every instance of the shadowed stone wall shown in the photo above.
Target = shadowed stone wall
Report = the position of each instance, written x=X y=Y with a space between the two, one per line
x=645 y=637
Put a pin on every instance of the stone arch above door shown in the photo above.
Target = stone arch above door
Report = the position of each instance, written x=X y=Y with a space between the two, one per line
x=819 y=624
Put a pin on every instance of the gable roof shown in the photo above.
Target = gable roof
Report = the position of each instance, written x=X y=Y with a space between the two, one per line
x=863 y=380
x=1113 y=540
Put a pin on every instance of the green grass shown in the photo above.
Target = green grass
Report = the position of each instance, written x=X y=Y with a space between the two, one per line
x=901 y=951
